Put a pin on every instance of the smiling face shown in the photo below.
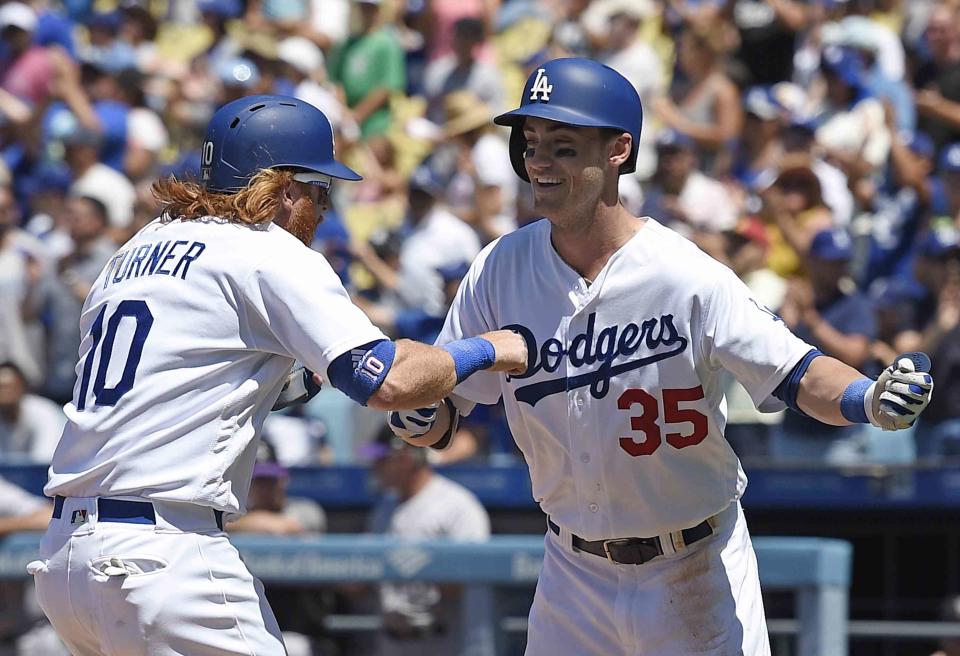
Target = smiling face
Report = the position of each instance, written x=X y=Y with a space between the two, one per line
x=572 y=168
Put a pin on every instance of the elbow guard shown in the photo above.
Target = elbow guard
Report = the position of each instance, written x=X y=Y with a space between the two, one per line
x=360 y=372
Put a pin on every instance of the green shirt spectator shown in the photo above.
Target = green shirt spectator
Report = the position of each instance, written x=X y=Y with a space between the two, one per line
x=370 y=66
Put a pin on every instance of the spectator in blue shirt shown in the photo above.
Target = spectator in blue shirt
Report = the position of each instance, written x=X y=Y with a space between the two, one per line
x=936 y=331
x=901 y=206
x=827 y=311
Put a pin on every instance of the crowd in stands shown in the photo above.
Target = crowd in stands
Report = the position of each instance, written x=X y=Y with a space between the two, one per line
x=811 y=145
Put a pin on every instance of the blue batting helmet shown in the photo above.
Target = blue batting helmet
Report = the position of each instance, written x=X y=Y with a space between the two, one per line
x=265 y=132
x=578 y=92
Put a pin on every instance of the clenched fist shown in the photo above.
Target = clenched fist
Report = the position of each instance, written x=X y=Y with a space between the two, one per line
x=899 y=395
x=510 y=349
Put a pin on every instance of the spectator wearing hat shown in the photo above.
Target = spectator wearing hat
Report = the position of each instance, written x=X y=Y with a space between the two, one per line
x=483 y=189
x=794 y=211
x=937 y=80
x=853 y=128
x=436 y=238
x=900 y=206
x=421 y=618
x=269 y=509
x=936 y=331
x=706 y=103
x=828 y=312
x=60 y=294
x=461 y=70
x=369 y=66
x=30 y=71
x=679 y=192
x=881 y=54
x=30 y=425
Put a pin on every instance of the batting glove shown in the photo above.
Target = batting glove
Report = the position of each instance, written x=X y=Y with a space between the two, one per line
x=413 y=423
x=899 y=395
x=299 y=388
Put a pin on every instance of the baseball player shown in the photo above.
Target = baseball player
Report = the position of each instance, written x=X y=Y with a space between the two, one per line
x=188 y=337
x=630 y=331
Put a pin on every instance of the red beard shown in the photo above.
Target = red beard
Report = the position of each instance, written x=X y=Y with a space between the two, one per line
x=302 y=223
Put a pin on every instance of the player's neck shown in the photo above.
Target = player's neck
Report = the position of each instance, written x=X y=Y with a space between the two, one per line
x=586 y=247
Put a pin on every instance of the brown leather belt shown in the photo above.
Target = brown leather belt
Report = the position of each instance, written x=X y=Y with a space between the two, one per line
x=633 y=551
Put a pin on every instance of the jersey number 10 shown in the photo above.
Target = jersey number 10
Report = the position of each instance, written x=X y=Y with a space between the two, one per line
x=647 y=424
x=102 y=394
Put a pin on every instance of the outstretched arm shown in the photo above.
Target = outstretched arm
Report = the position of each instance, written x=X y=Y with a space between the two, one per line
x=836 y=394
x=406 y=374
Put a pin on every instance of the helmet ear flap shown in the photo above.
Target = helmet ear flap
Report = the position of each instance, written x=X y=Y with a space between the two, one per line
x=518 y=144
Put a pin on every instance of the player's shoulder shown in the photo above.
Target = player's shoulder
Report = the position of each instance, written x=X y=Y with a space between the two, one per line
x=522 y=242
x=673 y=252
x=674 y=263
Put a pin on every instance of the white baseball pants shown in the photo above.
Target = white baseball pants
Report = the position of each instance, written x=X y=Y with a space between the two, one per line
x=704 y=599
x=176 y=587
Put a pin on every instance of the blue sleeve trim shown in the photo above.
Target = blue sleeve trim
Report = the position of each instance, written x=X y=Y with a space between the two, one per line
x=471 y=355
x=358 y=373
x=789 y=387
x=852 y=404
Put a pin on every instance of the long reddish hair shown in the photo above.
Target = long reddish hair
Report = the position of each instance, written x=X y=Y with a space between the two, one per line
x=258 y=202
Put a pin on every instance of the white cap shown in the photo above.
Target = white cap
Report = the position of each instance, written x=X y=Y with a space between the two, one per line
x=301 y=53
x=17 y=14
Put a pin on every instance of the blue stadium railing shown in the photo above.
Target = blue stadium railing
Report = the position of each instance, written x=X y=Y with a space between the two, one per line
x=508 y=487
x=816 y=569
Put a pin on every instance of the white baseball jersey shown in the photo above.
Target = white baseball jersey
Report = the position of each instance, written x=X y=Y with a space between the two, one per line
x=187 y=338
x=620 y=414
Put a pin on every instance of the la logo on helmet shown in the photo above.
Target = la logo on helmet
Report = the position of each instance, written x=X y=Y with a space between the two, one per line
x=541 y=87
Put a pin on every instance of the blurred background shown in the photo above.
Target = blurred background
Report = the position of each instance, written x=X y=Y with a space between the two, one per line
x=811 y=145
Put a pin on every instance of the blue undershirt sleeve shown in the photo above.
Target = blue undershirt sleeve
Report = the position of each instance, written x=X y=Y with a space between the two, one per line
x=788 y=389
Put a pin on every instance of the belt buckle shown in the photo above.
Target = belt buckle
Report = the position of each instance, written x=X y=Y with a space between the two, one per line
x=614 y=541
